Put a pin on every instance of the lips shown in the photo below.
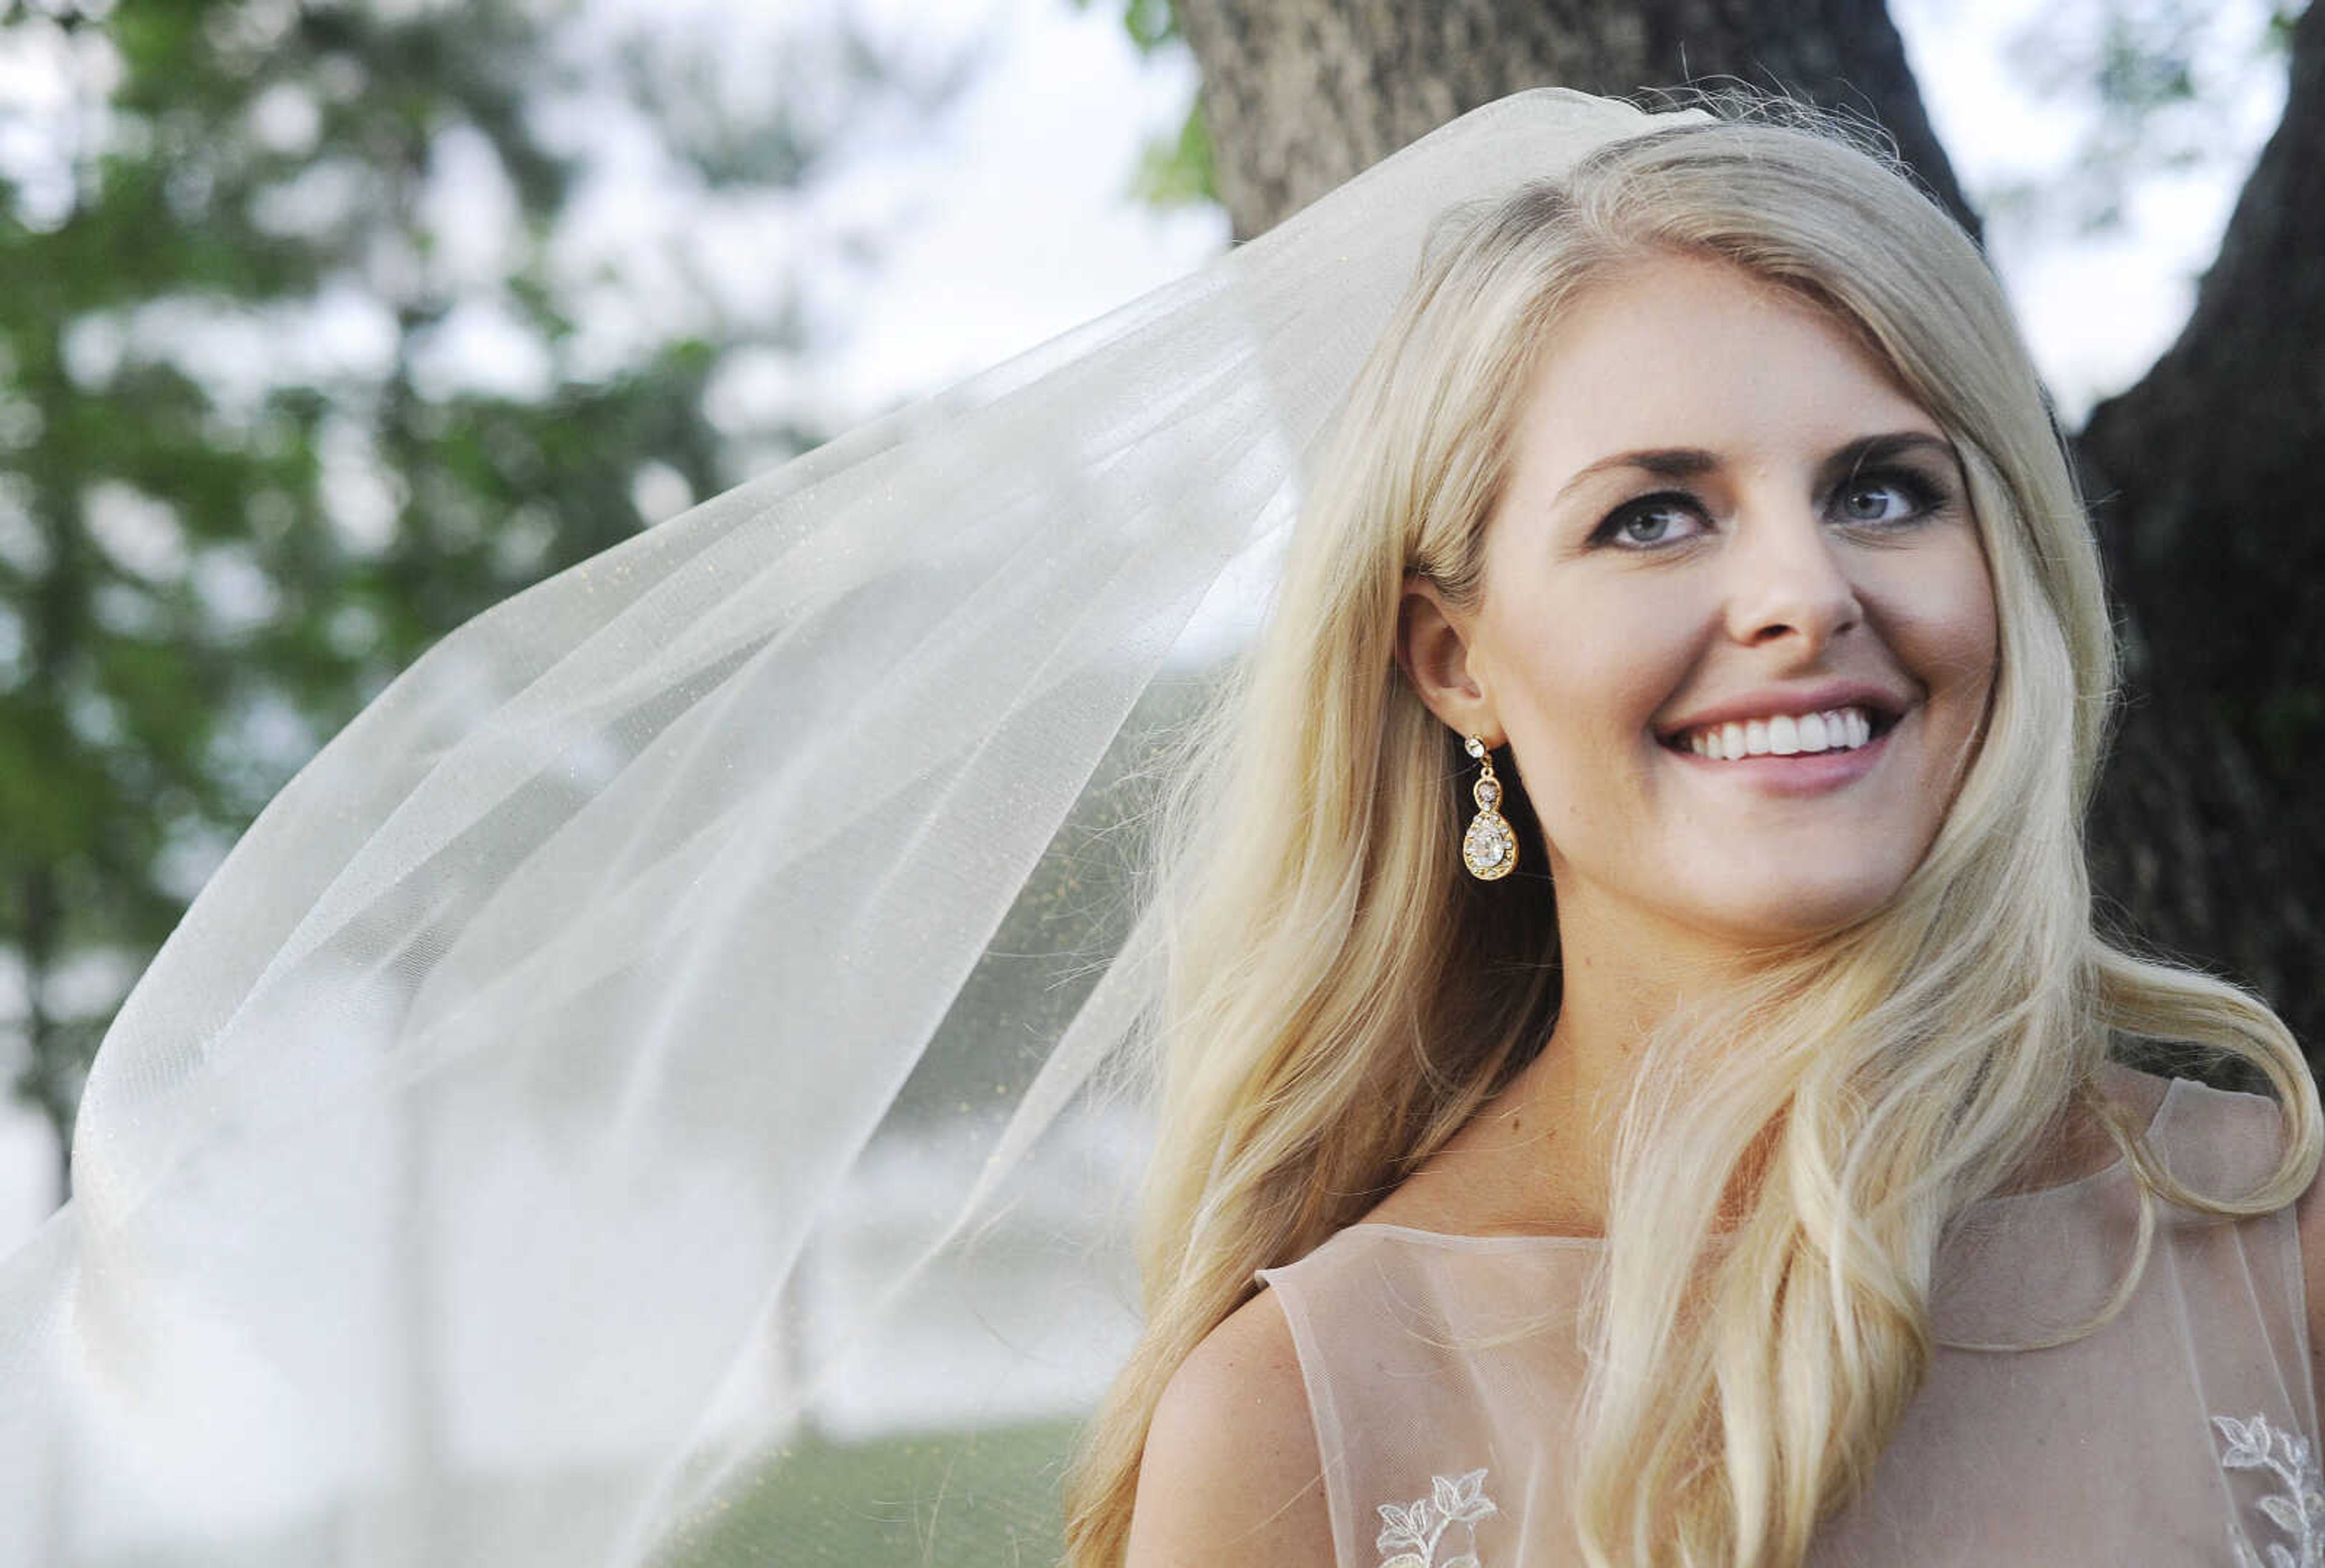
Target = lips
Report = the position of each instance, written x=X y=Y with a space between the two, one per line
x=1758 y=709
x=1799 y=774
x=1781 y=735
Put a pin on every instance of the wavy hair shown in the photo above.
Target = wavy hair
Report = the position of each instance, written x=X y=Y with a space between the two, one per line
x=1341 y=998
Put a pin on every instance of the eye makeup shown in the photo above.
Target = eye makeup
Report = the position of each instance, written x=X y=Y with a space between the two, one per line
x=1901 y=461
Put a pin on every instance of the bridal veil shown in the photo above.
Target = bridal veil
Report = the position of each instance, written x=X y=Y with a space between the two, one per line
x=689 y=984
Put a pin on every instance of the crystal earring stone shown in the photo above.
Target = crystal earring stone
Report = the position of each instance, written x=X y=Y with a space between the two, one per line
x=1489 y=849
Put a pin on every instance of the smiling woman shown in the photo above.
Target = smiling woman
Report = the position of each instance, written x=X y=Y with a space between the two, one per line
x=1638 y=1082
x=1696 y=1192
x=1809 y=551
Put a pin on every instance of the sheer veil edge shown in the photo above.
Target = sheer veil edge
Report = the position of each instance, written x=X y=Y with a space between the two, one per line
x=475 y=1174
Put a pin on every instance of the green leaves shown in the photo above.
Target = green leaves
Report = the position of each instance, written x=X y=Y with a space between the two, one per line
x=1152 y=24
x=1173 y=171
x=2160 y=83
x=1178 y=171
x=248 y=469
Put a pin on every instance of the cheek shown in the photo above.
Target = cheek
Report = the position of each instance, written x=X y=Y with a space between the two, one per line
x=1963 y=626
x=1943 y=627
x=1577 y=686
x=1947 y=634
x=1594 y=664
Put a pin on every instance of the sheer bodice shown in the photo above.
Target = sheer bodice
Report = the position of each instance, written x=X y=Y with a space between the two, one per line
x=2181 y=1433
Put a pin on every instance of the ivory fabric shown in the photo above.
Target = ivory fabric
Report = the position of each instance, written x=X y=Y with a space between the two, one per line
x=475 y=1177
x=2183 y=1432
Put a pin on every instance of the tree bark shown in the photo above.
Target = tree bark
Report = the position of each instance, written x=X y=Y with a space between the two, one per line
x=2204 y=476
x=2205 y=845
x=1298 y=95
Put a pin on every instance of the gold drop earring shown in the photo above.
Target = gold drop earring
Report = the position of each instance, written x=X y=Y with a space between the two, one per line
x=1489 y=849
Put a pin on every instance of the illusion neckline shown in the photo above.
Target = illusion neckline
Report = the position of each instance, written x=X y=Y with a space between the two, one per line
x=1999 y=1201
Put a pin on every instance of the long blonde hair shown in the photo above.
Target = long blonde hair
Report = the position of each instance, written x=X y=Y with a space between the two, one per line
x=1341 y=998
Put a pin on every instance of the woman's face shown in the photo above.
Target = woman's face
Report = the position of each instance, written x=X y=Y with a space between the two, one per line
x=1737 y=624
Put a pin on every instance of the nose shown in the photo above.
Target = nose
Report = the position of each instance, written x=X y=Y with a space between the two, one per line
x=1789 y=582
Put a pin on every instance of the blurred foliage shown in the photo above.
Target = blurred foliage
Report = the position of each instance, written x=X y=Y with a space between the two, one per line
x=2160 y=82
x=1152 y=24
x=239 y=487
x=967 y=1499
x=1174 y=171
x=1177 y=171
x=2158 y=75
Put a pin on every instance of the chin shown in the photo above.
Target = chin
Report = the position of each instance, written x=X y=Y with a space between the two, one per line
x=1802 y=913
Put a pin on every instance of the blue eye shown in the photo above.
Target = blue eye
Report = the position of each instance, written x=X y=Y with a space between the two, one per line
x=1873 y=499
x=1881 y=496
x=1649 y=522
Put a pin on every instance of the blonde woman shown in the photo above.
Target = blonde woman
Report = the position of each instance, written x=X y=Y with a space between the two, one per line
x=1639 y=1081
x=1693 y=1141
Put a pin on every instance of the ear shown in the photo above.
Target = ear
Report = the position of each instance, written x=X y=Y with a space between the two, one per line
x=1432 y=649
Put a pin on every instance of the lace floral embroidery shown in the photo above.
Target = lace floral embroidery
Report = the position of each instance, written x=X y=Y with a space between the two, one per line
x=1410 y=1536
x=2297 y=1507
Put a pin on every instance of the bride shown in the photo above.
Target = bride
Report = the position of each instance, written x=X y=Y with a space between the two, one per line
x=1639 y=1085
x=1675 y=1130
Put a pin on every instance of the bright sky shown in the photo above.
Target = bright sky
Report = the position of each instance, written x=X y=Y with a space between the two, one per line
x=2096 y=309
x=1011 y=222
x=1033 y=235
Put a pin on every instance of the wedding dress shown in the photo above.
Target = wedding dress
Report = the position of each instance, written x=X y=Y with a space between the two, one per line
x=697 y=986
x=2182 y=1432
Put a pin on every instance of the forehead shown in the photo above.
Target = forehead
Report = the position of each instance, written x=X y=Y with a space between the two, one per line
x=1689 y=352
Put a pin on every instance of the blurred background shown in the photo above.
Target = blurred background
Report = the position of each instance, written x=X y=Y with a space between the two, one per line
x=326 y=324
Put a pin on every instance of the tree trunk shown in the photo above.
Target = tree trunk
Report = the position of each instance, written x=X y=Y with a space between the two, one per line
x=1300 y=94
x=2205 y=480
x=2204 y=844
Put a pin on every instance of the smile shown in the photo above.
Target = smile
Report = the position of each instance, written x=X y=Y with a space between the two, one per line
x=1847 y=728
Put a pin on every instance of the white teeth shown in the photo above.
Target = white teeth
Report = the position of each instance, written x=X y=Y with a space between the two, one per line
x=1782 y=735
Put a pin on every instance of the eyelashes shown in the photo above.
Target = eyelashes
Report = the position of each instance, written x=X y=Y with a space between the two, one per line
x=1666 y=518
x=1660 y=508
x=1922 y=496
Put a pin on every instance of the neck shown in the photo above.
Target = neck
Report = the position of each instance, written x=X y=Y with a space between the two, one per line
x=1539 y=1158
x=1552 y=1130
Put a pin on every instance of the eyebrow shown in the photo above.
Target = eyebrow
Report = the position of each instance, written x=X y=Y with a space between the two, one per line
x=1688 y=462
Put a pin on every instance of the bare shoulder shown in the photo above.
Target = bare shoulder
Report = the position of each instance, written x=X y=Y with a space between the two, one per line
x=1231 y=1473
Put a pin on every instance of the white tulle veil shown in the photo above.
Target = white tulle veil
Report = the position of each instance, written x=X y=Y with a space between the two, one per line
x=653 y=1045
